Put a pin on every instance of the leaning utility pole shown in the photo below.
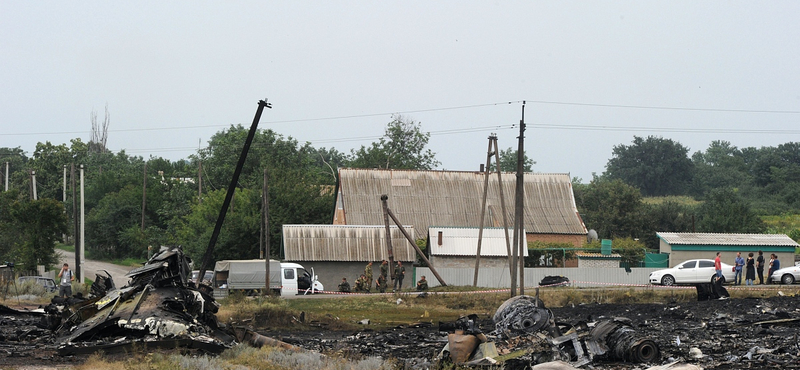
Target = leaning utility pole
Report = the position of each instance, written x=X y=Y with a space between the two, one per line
x=489 y=153
x=231 y=188
x=388 y=212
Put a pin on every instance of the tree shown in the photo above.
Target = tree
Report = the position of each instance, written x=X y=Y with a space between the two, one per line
x=508 y=161
x=655 y=165
x=724 y=211
x=29 y=229
x=401 y=147
x=16 y=159
x=669 y=216
x=611 y=207
x=721 y=165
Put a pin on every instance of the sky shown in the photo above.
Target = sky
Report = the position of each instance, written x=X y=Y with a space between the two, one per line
x=592 y=74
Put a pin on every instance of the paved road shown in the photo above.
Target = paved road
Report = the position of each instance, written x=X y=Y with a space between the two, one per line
x=90 y=269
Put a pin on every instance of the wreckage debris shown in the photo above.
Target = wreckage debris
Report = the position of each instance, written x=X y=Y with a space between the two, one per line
x=156 y=308
x=523 y=325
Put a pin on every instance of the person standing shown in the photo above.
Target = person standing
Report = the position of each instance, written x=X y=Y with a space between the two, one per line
x=760 y=267
x=67 y=277
x=769 y=268
x=737 y=267
x=776 y=265
x=718 y=265
x=399 y=274
x=750 y=275
x=384 y=274
x=368 y=275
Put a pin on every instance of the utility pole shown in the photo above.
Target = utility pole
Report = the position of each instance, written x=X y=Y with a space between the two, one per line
x=144 y=197
x=492 y=151
x=520 y=202
x=232 y=187
x=76 y=231
x=34 y=196
x=6 y=176
x=199 y=181
x=265 y=227
x=83 y=232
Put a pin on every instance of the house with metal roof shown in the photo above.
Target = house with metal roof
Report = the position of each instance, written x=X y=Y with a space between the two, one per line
x=426 y=199
x=686 y=246
x=337 y=251
x=458 y=246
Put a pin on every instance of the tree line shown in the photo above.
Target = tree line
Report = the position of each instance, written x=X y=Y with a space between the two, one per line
x=182 y=198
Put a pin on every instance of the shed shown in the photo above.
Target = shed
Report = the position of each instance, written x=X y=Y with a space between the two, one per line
x=426 y=199
x=458 y=246
x=598 y=260
x=686 y=246
x=337 y=251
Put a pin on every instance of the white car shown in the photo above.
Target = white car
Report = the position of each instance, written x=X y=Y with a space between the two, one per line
x=691 y=272
x=787 y=275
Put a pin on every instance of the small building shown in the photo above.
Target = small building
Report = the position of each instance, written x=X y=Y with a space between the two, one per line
x=686 y=246
x=337 y=251
x=598 y=260
x=458 y=247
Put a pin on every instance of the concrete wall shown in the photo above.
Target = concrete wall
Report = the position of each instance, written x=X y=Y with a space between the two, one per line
x=468 y=261
x=598 y=263
x=499 y=277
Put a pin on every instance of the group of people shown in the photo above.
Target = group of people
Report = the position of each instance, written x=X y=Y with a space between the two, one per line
x=364 y=282
x=751 y=267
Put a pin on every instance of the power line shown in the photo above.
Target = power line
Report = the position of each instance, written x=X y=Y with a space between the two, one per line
x=429 y=110
x=665 y=107
x=662 y=129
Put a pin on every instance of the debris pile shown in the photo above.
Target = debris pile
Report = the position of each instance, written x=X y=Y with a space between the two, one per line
x=526 y=334
x=156 y=309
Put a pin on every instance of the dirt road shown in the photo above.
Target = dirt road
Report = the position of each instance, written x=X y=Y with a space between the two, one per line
x=117 y=272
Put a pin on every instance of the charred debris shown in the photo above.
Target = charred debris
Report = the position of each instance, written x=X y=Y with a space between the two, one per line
x=526 y=334
x=158 y=308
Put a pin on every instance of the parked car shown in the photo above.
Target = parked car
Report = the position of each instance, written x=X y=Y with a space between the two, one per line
x=48 y=283
x=787 y=275
x=691 y=272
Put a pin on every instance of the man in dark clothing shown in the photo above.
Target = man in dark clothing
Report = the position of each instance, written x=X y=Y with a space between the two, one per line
x=344 y=286
x=760 y=267
x=422 y=284
x=399 y=274
x=384 y=274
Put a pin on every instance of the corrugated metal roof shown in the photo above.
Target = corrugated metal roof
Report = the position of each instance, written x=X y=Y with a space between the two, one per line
x=463 y=241
x=345 y=243
x=727 y=239
x=453 y=198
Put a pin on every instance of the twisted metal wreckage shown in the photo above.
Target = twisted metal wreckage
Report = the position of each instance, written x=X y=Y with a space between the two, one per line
x=524 y=326
x=157 y=308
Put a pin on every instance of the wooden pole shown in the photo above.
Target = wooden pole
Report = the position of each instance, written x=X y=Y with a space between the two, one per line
x=483 y=211
x=388 y=211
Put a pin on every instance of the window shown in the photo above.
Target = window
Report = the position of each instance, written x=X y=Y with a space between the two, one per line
x=288 y=274
x=706 y=263
x=689 y=265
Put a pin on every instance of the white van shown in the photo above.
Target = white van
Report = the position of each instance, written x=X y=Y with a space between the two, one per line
x=285 y=278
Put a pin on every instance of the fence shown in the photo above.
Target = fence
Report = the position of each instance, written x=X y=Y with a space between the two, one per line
x=500 y=277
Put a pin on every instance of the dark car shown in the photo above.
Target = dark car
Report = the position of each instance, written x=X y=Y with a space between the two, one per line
x=48 y=283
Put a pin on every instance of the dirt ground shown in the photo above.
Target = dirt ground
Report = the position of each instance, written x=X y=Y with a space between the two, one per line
x=758 y=333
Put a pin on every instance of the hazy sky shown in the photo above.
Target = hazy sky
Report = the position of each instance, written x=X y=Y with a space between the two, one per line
x=594 y=74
